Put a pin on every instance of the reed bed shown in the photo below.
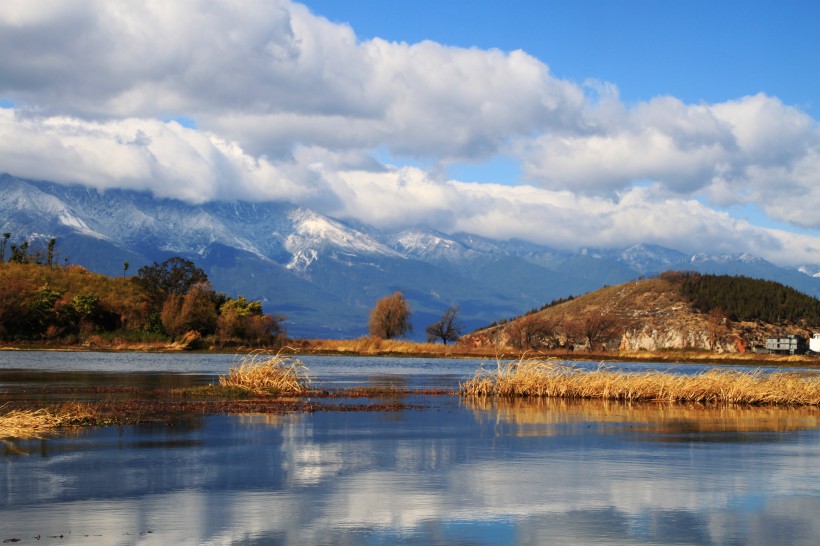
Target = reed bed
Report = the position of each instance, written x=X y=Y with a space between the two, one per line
x=538 y=378
x=37 y=423
x=264 y=373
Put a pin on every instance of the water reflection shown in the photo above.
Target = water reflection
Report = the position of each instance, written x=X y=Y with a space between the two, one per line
x=461 y=471
x=653 y=420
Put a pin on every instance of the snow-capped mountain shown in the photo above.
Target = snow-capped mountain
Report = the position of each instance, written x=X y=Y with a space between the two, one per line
x=325 y=273
x=810 y=270
x=313 y=235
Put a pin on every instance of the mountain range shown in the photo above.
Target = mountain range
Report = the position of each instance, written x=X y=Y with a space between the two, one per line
x=325 y=273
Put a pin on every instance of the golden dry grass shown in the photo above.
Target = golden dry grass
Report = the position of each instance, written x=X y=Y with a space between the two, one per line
x=376 y=345
x=538 y=378
x=37 y=423
x=265 y=373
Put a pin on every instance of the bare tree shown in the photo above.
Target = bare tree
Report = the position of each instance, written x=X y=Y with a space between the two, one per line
x=447 y=328
x=390 y=317
x=531 y=332
x=598 y=327
x=716 y=328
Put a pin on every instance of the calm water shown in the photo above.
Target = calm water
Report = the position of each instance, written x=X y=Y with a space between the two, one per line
x=457 y=472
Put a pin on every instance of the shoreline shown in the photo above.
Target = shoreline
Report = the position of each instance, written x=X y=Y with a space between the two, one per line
x=406 y=349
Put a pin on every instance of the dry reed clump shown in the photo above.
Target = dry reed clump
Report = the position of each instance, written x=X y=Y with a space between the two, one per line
x=24 y=423
x=550 y=379
x=264 y=373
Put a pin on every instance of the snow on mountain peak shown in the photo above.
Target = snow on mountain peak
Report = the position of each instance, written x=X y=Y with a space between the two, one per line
x=810 y=270
x=23 y=197
x=744 y=257
x=313 y=233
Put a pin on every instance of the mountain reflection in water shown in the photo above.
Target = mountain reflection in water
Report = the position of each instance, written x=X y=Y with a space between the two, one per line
x=461 y=470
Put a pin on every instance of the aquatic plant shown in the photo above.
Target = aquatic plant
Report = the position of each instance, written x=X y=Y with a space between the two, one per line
x=36 y=423
x=261 y=372
x=542 y=378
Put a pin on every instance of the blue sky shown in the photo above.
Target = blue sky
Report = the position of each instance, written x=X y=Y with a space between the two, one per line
x=692 y=49
x=695 y=50
x=691 y=124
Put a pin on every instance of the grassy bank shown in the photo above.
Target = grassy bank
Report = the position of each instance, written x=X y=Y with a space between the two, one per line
x=540 y=378
x=371 y=346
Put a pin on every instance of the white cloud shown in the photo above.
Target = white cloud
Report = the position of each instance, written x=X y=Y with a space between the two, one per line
x=754 y=149
x=268 y=74
x=165 y=158
x=291 y=106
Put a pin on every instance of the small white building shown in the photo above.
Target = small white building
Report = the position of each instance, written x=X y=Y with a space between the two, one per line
x=814 y=343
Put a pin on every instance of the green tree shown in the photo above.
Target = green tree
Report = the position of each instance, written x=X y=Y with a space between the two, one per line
x=447 y=328
x=19 y=254
x=85 y=305
x=84 y=309
x=173 y=276
x=50 y=256
x=390 y=318
x=43 y=310
x=241 y=320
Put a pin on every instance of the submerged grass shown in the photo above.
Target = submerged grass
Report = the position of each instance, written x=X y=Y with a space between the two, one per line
x=539 y=378
x=264 y=373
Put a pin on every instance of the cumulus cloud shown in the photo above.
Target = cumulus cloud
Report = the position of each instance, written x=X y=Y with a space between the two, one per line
x=290 y=106
x=267 y=74
x=754 y=149
x=162 y=157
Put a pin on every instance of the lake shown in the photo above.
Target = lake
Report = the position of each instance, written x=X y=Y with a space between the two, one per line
x=451 y=470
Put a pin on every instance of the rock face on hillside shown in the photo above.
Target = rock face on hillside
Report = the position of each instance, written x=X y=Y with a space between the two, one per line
x=645 y=315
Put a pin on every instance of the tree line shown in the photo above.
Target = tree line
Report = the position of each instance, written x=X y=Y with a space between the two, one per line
x=743 y=299
x=26 y=252
x=40 y=301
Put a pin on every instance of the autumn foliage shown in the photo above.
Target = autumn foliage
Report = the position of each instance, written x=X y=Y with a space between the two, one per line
x=390 y=318
x=68 y=304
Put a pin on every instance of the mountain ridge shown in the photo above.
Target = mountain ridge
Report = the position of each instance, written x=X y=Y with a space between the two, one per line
x=325 y=273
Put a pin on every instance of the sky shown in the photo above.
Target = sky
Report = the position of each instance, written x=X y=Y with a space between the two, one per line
x=688 y=124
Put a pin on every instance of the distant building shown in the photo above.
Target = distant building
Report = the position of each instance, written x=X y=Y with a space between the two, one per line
x=814 y=343
x=788 y=344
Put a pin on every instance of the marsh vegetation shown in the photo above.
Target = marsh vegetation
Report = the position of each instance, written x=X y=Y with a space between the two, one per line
x=265 y=373
x=546 y=378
